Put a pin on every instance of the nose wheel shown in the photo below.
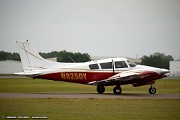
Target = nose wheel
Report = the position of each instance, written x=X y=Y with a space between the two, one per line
x=152 y=90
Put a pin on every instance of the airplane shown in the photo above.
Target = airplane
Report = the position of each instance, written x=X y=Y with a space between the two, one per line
x=101 y=73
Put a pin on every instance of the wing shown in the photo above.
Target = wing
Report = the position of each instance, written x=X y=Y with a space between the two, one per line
x=127 y=77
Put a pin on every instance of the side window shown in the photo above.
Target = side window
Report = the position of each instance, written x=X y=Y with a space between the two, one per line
x=107 y=65
x=94 y=66
x=120 y=64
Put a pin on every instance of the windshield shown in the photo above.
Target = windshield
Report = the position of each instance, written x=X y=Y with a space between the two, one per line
x=131 y=64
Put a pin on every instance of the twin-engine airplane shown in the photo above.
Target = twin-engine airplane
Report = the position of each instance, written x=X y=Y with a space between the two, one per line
x=101 y=73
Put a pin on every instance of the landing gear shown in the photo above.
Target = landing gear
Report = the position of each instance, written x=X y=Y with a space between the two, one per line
x=117 y=90
x=152 y=90
x=100 y=89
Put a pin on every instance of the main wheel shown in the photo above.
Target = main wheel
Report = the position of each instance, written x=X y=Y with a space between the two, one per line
x=117 y=91
x=100 y=89
x=152 y=90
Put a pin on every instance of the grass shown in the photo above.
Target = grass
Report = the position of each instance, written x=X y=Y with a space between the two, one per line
x=28 y=85
x=80 y=109
x=96 y=109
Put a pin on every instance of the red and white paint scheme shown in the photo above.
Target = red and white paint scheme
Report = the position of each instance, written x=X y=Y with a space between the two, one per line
x=101 y=73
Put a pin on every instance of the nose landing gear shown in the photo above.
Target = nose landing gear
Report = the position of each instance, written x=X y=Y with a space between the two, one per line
x=152 y=89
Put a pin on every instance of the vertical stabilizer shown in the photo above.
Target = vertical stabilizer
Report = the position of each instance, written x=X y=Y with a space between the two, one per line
x=30 y=58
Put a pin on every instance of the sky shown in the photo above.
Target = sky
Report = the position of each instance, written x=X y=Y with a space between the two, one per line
x=108 y=28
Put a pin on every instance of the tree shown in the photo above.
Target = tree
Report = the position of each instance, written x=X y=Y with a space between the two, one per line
x=15 y=56
x=9 y=56
x=64 y=56
x=49 y=55
x=157 y=59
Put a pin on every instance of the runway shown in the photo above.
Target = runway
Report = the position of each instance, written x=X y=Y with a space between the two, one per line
x=90 y=95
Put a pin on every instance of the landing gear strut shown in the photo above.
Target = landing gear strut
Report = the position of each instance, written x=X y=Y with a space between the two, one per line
x=152 y=89
x=100 y=89
x=117 y=90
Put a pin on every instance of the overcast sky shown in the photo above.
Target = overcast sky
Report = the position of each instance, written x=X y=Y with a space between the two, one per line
x=97 y=27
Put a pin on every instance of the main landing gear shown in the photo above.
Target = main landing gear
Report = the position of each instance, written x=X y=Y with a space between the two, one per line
x=100 y=89
x=152 y=89
x=117 y=89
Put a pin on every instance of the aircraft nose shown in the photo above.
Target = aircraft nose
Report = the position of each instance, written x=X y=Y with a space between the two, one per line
x=164 y=71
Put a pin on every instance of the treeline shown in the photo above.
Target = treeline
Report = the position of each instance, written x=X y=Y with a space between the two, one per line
x=9 y=56
x=64 y=56
x=157 y=59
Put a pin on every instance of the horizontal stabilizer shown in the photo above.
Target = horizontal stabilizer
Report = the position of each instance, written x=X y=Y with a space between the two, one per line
x=28 y=73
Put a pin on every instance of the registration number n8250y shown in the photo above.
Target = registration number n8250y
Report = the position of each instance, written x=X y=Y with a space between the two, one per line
x=73 y=76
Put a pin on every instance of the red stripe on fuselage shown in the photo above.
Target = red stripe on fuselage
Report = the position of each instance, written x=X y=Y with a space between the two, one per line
x=77 y=77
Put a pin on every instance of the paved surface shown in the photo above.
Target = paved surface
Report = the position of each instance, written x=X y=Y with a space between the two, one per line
x=89 y=95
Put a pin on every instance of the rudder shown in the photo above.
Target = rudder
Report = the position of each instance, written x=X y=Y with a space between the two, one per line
x=30 y=58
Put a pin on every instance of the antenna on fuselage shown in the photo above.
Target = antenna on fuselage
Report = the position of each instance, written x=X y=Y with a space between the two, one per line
x=113 y=66
x=72 y=59
x=89 y=57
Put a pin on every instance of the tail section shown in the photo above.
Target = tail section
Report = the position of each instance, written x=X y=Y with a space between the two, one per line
x=31 y=60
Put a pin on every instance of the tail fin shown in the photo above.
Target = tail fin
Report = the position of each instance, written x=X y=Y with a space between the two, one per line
x=30 y=58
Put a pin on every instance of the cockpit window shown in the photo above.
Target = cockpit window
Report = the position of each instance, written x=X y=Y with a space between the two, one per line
x=120 y=64
x=107 y=65
x=94 y=66
x=131 y=64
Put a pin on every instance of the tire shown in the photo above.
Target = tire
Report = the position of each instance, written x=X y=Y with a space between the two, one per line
x=152 y=90
x=100 y=89
x=117 y=91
